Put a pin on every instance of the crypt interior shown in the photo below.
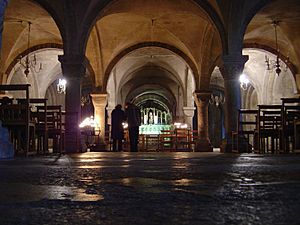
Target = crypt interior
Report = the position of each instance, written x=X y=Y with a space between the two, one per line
x=179 y=61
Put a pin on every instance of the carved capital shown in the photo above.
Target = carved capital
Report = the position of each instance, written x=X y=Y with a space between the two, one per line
x=189 y=111
x=202 y=97
x=99 y=100
x=73 y=66
x=233 y=66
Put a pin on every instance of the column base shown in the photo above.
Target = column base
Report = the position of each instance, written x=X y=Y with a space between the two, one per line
x=203 y=146
x=227 y=146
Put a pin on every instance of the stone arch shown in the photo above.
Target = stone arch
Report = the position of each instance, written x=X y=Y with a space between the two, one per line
x=91 y=72
x=126 y=51
x=92 y=17
x=144 y=67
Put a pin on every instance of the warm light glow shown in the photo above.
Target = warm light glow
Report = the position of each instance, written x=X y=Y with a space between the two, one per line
x=244 y=81
x=125 y=125
x=88 y=122
x=180 y=125
x=177 y=124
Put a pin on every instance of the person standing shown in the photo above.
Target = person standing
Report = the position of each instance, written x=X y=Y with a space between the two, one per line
x=117 y=131
x=133 y=117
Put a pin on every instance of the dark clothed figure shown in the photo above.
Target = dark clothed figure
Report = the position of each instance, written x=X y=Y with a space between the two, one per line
x=117 y=132
x=133 y=117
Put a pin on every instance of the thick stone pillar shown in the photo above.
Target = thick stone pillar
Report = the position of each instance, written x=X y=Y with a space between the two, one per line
x=202 y=101
x=189 y=113
x=99 y=102
x=233 y=68
x=297 y=78
x=3 y=5
x=73 y=68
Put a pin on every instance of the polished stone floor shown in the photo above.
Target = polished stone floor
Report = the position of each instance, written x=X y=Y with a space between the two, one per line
x=150 y=188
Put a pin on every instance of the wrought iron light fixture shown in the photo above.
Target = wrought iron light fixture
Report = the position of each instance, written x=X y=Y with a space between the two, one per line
x=275 y=64
x=61 y=86
x=30 y=63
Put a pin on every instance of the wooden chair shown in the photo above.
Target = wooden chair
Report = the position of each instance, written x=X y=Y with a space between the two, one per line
x=16 y=117
x=268 y=128
x=54 y=125
x=246 y=127
x=290 y=114
x=182 y=139
x=142 y=142
x=194 y=138
x=40 y=120
x=6 y=101
x=296 y=136
x=166 y=140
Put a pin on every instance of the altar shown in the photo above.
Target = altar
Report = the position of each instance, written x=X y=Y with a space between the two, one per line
x=154 y=120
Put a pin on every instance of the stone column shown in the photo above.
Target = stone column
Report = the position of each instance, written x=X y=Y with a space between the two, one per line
x=297 y=78
x=202 y=101
x=233 y=68
x=3 y=5
x=73 y=68
x=99 y=102
x=189 y=113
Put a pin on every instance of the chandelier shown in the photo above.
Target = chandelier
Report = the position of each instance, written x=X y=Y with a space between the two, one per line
x=217 y=99
x=30 y=63
x=275 y=64
x=61 y=86
x=85 y=100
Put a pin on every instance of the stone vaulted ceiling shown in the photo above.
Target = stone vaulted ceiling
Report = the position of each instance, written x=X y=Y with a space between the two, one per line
x=182 y=24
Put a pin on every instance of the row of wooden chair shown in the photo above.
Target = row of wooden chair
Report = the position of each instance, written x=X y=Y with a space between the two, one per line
x=179 y=139
x=270 y=128
x=167 y=140
x=31 y=122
